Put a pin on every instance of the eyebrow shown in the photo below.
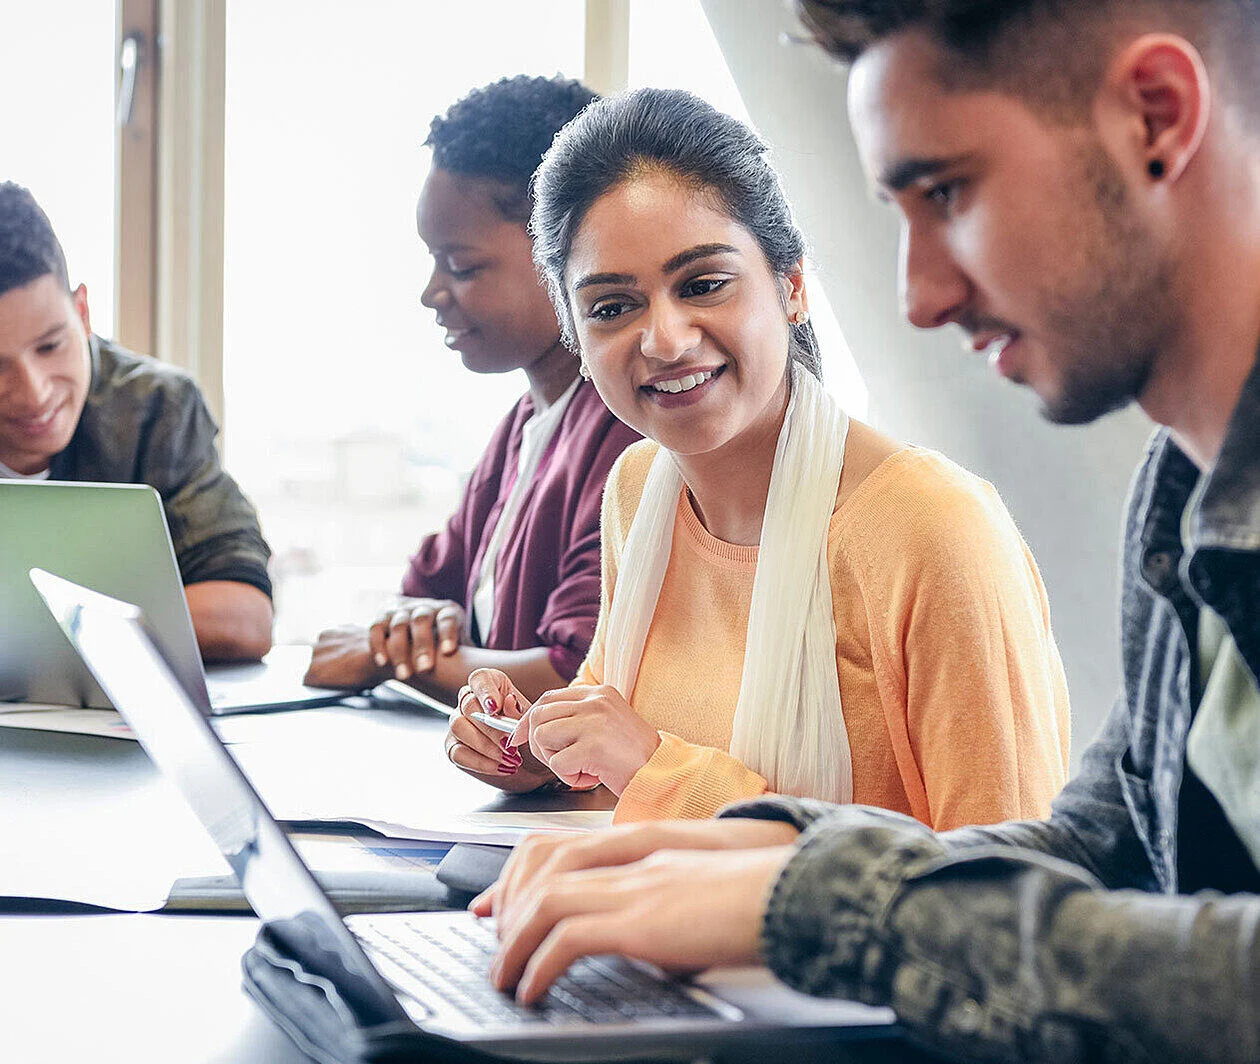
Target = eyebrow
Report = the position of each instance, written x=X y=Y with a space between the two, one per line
x=700 y=251
x=48 y=334
x=604 y=278
x=899 y=176
x=672 y=265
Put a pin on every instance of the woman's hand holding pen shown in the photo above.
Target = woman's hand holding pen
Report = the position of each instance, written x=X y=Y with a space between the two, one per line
x=482 y=751
x=585 y=735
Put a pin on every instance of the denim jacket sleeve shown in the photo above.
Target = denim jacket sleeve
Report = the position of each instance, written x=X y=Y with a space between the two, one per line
x=1018 y=941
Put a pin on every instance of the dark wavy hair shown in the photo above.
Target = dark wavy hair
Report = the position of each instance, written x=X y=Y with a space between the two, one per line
x=1050 y=53
x=678 y=133
x=29 y=248
x=501 y=131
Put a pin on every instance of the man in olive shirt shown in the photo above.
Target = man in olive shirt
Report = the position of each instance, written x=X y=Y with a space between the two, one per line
x=74 y=406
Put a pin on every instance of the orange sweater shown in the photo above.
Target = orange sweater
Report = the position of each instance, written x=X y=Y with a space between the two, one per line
x=952 y=689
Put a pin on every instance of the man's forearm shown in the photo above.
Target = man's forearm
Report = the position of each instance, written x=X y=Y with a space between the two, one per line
x=232 y=620
x=1000 y=954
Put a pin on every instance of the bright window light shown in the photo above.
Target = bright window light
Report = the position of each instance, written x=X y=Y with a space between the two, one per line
x=673 y=47
x=347 y=419
x=57 y=131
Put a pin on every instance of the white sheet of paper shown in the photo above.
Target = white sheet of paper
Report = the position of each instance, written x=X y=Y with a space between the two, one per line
x=396 y=787
x=104 y=722
x=493 y=829
x=260 y=727
x=121 y=853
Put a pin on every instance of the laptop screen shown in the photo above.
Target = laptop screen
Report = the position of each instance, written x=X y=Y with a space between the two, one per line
x=110 y=637
x=133 y=560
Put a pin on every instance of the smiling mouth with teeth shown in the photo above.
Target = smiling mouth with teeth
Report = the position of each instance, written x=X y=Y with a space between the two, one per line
x=683 y=384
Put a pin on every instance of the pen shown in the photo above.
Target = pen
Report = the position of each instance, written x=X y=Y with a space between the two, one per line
x=506 y=725
x=407 y=693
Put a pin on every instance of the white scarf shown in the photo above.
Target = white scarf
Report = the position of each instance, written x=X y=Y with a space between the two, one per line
x=789 y=727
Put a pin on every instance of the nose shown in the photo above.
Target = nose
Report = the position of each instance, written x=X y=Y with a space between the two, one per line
x=435 y=292
x=669 y=332
x=933 y=287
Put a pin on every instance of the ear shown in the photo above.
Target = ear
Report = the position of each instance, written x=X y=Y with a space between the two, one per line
x=1158 y=87
x=796 y=298
x=79 y=295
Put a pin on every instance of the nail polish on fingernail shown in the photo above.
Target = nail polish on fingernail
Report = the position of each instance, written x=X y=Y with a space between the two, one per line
x=492 y=706
x=422 y=662
x=507 y=770
x=402 y=672
x=381 y=661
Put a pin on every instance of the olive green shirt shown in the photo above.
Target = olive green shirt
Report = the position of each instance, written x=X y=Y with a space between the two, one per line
x=146 y=422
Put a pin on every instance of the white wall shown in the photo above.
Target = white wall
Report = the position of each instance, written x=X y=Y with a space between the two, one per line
x=1065 y=487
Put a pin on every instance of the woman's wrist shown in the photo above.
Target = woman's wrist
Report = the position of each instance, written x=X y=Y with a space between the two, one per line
x=622 y=780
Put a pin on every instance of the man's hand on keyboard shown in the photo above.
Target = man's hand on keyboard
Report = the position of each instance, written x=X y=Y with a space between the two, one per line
x=682 y=910
x=537 y=861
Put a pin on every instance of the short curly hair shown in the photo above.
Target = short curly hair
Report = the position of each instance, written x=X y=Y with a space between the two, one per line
x=29 y=248
x=501 y=132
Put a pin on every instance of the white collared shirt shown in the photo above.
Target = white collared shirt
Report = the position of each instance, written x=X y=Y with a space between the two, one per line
x=12 y=474
x=536 y=436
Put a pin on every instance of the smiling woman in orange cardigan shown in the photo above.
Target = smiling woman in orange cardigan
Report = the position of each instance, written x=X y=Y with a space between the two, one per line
x=952 y=689
x=677 y=272
x=943 y=649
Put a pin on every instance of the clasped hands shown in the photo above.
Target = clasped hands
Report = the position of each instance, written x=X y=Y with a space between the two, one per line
x=404 y=641
x=582 y=736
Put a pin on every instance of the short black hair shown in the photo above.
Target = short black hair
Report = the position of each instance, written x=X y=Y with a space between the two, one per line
x=501 y=132
x=29 y=248
x=1050 y=52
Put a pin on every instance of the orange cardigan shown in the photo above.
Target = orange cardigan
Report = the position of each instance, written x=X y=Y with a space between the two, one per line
x=953 y=693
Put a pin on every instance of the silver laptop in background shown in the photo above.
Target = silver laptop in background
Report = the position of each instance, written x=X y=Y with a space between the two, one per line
x=419 y=977
x=112 y=537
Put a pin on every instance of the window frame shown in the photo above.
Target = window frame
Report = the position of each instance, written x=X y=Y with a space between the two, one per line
x=169 y=198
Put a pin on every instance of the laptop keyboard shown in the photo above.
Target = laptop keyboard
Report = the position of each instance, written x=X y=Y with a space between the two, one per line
x=451 y=961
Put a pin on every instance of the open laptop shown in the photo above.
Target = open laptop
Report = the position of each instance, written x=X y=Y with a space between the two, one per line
x=393 y=985
x=112 y=537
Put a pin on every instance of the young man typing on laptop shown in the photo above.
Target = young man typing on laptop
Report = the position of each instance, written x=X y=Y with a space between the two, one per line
x=74 y=406
x=1079 y=188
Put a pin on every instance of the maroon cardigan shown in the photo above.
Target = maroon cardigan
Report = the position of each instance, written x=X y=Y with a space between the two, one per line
x=546 y=581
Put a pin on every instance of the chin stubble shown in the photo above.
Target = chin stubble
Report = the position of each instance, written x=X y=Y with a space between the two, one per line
x=1115 y=327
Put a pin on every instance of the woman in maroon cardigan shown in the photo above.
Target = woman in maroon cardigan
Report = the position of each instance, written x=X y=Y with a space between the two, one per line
x=512 y=581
